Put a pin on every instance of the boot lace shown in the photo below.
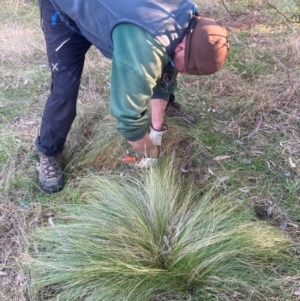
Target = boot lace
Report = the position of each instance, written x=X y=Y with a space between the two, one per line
x=51 y=166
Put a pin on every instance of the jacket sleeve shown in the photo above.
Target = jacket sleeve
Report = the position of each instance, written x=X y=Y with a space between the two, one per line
x=137 y=65
x=167 y=83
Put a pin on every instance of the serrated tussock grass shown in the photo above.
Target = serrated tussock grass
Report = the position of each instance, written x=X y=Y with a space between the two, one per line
x=154 y=237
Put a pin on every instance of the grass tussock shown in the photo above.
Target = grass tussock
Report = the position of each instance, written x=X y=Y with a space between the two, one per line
x=155 y=238
x=106 y=147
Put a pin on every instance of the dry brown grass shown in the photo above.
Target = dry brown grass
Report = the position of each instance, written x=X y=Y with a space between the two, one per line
x=20 y=44
x=21 y=48
x=15 y=221
x=13 y=5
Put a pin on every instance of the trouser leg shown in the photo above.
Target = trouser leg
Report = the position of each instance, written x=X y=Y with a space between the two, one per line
x=66 y=53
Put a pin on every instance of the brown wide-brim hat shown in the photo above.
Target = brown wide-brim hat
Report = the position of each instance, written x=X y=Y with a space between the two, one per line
x=206 y=47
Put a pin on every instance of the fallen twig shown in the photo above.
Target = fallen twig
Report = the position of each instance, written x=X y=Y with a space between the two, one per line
x=228 y=10
x=258 y=125
x=282 y=14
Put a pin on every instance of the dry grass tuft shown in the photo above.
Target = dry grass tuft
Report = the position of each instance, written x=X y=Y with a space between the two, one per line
x=16 y=217
x=106 y=157
x=107 y=148
x=19 y=43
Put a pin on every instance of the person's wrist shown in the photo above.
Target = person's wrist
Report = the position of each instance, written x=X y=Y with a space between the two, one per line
x=156 y=126
x=159 y=127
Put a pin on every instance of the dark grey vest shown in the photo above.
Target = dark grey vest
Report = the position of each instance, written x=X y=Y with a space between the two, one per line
x=166 y=20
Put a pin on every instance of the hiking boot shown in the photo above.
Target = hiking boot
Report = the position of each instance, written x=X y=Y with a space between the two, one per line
x=50 y=173
x=173 y=109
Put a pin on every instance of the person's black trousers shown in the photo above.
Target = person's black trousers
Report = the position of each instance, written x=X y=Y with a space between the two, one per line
x=66 y=51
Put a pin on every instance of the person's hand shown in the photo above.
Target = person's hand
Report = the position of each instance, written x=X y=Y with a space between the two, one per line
x=146 y=163
x=156 y=135
x=149 y=162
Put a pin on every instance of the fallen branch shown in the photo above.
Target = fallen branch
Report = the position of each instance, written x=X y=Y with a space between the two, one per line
x=258 y=124
x=286 y=69
x=282 y=14
x=227 y=10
